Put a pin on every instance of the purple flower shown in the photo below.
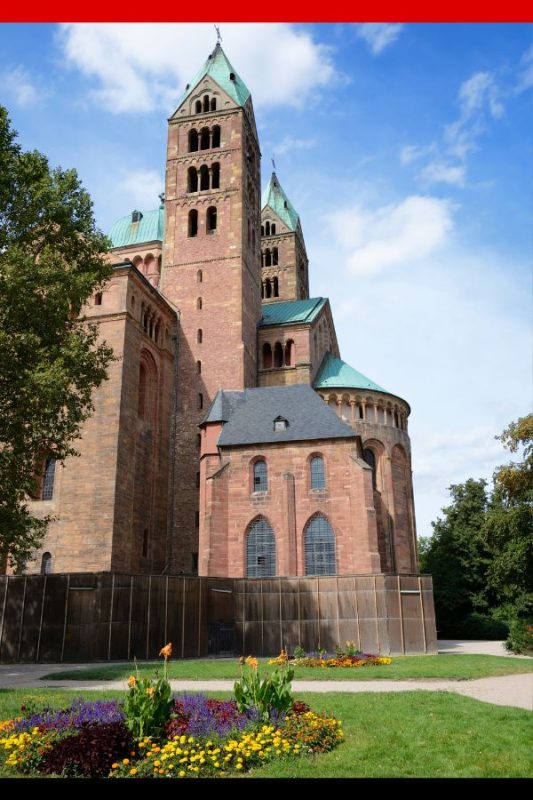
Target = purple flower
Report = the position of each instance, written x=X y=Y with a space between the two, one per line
x=81 y=712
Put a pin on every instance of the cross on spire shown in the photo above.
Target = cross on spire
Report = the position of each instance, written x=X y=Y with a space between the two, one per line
x=219 y=35
x=273 y=163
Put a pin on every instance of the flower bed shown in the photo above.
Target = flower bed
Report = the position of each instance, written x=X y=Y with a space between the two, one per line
x=345 y=657
x=155 y=735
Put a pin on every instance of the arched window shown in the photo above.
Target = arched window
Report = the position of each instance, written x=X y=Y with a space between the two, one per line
x=198 y=107
x=204 y=139
x=262 y=230
x=268 y=258
x=275 y=287
x=260 y=476
x=267 y=229
x=215 y=140
x=274 y=256
x=370 y=457
x=46 y=564
x=213 y=104
x=289 y=353
x=193 y=140
x=199 y=276
x=193 y=222
x=278 y=355
x=267 y=356
x=211 y=219
x=206 y=103
x=318 y=478
x=199 y=303
x=47 y=491
x=204 y=177
x=260 y=550
x=199 y=336
x=319 y=547
x=192 y=180
x=273 y=228
x=262 y=290
x=268 y=288
x=215 y=176
x=98 y=299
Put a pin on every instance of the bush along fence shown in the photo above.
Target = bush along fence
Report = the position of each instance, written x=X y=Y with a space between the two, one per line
x=114 y=616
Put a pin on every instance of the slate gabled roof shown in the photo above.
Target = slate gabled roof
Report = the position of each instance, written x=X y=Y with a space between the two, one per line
x=336 y=373
x=249 y=416
x=275 y=198
x=219 y=68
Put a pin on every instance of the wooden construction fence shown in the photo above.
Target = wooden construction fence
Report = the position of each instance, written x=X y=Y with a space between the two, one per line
x=113 y=616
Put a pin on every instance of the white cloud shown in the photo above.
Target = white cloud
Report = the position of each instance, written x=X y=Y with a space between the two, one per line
x=290 y=143
x=442 y=172
x=375 y=240
x=17 y=84
x=525 y=75
x=480 y=90
x=141 y=67
x=413 y=152
x=378 y=35
x=140 y=188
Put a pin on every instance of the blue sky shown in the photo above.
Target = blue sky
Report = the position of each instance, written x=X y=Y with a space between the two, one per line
x=405 y=149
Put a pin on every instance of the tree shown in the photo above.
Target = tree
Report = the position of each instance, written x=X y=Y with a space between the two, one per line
x=457 y=556
x=508 y=524
x=52 y=258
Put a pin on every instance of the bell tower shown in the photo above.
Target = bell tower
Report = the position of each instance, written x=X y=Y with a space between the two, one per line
x=211 y=267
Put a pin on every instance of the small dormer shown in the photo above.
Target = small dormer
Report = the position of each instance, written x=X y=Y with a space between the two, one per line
x=281 y=424
x=136 y=216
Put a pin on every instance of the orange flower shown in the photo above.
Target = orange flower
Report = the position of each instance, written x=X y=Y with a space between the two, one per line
x=132 y=681
x=150 y=691
x=166 y=651
x=252 y=662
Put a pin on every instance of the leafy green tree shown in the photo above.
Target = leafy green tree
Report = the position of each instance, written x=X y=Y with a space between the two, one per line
x=508 y=524
x=457 y=556
x=52 y=258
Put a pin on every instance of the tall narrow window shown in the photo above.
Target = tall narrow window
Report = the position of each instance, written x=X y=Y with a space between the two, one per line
x=198 y=440
x=260 y=476
x=204 y=139
x=268 y=288
x=289 y=353
x=260 y=550
x=275 y=287
x=215 y=176
x=213 y=104
x=262 y=230
x=278 y=355
x=193 y=141
x=267 y=229
x=275 y=256
x=199 y=336
x=46 y=564
x=199 y=303
x=98 y=299
x=206 y=103
x=199 y=276
x=215 y=140
x=200 y=400
x=319 y=547
x=267 y=356
x=199 y=367
x=370 y=457
x=318 y=480
x=47 y=491
x=262 y=290
x=268 y=258
x=192 y=180
x=193 y=222
x=198 y=107
x=211 y=219
x=273 y=228
x=204 y=177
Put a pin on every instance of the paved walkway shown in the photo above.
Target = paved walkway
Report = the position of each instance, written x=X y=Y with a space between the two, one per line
x=507 y=690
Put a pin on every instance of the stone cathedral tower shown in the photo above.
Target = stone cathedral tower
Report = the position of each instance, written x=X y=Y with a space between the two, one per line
x=211 y=265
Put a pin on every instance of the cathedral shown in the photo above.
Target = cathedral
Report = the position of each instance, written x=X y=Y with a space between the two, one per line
x=230 y=440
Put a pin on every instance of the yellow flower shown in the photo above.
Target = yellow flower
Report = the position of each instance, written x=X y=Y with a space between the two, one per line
x=125 y=761
x=150 y=691
x=252 y=662
x=166 y=651
x=132 y=681
x=133 y=771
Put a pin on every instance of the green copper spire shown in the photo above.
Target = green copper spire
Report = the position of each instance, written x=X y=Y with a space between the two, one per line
x=275 y=198
x=221 y=71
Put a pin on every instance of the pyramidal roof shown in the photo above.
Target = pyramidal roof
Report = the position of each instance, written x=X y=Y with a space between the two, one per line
x=336 y=373
x=275 y=198
x=219 y=68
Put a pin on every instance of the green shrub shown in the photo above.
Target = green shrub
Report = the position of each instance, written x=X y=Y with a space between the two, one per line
x=520 y=639
x=481 y=626
x=273 y=693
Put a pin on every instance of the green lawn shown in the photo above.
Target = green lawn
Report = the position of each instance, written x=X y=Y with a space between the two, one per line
x=446 y=666
x=412 y=734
